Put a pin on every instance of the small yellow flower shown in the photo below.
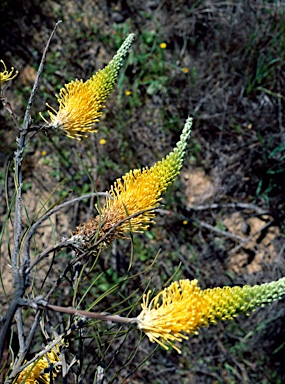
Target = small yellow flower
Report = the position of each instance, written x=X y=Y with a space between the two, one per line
x=137 y=191
x=128 y=93
x=183 y=308
x=5 y=75
x=102 y=141
x=44 y=152
x=185 y=222
x=80 y=102
x=33 y=373
x=185 y=69
x=163 y=45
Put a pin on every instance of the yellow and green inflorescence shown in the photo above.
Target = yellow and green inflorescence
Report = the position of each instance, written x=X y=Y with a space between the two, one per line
x=183 y=308
x=40 y=371
x=80 y=102
x=5 y=75
x=138 y=192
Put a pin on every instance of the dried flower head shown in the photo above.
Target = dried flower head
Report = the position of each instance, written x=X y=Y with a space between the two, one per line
x=183 y=308
x=138 y=191
x=37 y=372
x=5 y=75
x=80 y=102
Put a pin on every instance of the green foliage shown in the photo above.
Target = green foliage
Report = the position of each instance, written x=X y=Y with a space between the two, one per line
x=263 y=66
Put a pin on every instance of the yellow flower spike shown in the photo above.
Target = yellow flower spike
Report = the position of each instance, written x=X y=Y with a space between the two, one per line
x=5 y=75
x=33 y=373
x=80 y=102
x=137 y=191
x=183 y=308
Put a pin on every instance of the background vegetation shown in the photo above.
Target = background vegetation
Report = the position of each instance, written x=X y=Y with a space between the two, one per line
x=222 y=222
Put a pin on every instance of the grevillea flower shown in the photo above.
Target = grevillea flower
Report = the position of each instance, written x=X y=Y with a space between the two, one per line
x=5 y=75
x=34 y=373
x=183 y=308
x=137 y=191
x=80 y=102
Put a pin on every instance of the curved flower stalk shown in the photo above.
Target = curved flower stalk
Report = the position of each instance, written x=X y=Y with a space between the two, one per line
x=183 y=308
x=5 y=75
x=137 y=191
x=80 y=102
x=34 y=373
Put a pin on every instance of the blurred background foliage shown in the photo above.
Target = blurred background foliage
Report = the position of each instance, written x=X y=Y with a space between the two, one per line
x=220 y=62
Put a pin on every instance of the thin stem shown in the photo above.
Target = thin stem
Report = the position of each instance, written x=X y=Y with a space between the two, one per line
x=37 y=319
x=26 y=267
x=16 y=263
x=27 y=118
x=93 y=247
x=8 y=106
x=7 y=324
x=46 y=252
x=238 y=205
x=78 y=312
x=21 y=335
x=18 y=276
x=221 y=232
